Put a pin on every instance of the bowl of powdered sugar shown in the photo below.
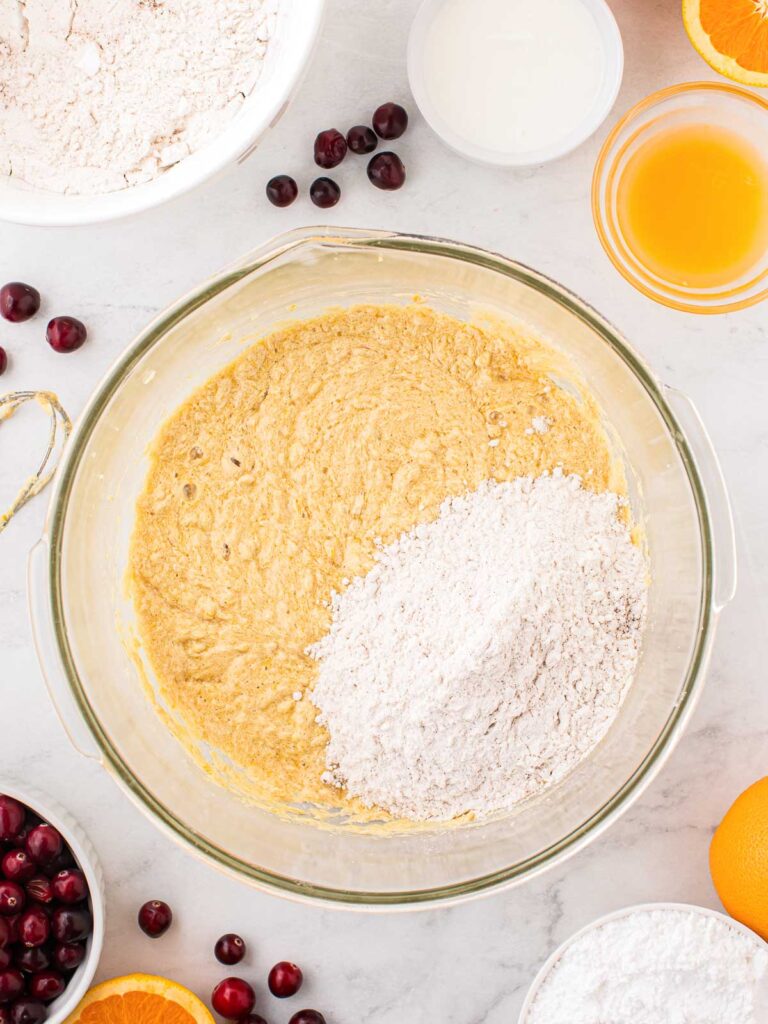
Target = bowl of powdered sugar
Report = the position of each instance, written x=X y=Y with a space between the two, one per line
x=108 y=109
x=655 y=963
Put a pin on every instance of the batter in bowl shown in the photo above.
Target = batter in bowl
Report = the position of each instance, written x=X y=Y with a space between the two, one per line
x=274 y=482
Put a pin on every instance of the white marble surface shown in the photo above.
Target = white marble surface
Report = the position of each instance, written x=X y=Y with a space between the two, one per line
x=472 y=963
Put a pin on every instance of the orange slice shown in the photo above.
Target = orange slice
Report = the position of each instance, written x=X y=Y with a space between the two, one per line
x=731 y=36
x=140 y=999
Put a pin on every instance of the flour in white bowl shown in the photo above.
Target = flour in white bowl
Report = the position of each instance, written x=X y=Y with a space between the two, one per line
x=98 y=95
x=657 y=966
x=486 y=653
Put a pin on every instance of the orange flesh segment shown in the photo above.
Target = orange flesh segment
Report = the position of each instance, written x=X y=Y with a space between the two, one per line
x=135 y=1008
x=738 y=29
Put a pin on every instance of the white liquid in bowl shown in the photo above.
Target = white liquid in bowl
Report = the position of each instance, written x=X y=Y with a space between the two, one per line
x=514 y=76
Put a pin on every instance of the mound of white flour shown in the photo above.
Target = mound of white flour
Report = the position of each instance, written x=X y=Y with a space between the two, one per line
x=485 y=654
x=657 y=967
x=97 y=95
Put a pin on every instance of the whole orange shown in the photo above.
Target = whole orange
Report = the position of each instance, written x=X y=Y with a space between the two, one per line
x=738 y=858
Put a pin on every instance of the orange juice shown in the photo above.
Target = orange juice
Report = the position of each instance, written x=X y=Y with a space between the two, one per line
x=692 y=204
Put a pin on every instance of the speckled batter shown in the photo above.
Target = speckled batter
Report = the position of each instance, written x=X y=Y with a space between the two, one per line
x=272 y=483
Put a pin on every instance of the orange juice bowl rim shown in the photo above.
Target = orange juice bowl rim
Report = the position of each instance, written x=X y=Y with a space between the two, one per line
x=627 y=130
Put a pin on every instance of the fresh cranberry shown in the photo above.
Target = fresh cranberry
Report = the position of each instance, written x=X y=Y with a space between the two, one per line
x=233 y=998
x=62 y=862
x=34 y=927
x=18 y=866
x=361 y=139
x=282 y=190
x=230 y=949
x=324 y=192
x=32 y=959
x=12 y=898
x=71 y=924
x=390 y=121
x=12 y=816
x=330 y=148
x=6 y=959
x=11 y=985
x=68 y=956
x=6 y=932
x=386 y=170
x=44 y=844
x=155 y=918
x=28 y=1011
x=285 y=979
x=307 y=1017
x=70 y=886
x=3 y=360
x=40 y=889
x=18 y=302
x=65 y=333
x=46 y=986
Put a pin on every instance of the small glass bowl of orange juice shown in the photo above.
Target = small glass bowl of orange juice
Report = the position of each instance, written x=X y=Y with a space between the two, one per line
x=680 y=197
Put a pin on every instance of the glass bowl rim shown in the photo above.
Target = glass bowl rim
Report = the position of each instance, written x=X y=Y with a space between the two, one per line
x=604 y=166
x=293 y=242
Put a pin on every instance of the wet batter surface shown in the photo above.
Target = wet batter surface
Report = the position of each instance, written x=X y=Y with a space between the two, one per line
x=274 y=482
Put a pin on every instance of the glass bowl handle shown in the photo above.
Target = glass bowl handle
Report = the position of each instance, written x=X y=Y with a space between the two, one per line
x=43 y=632
x=715 y=492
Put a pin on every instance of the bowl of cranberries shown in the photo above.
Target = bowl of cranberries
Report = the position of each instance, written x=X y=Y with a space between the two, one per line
x=51 y=910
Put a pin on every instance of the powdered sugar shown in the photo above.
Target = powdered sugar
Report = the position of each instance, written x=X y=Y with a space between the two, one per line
x=485 y=653
x=657 y=967
x=96 y=95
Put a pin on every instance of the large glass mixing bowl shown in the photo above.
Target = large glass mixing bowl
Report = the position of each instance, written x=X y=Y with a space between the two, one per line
x=81 y=615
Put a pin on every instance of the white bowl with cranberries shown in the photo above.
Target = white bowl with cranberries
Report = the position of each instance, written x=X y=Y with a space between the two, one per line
x=51 y=909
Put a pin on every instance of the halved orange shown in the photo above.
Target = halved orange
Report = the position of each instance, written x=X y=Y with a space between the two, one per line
x=731 y=36
x=140 y=999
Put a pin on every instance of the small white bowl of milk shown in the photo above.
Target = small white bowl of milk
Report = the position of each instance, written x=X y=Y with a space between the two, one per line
x=515 y=82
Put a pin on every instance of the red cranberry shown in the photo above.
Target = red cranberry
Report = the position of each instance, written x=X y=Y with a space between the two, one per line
x=18 y=302
x=12 y=898
x=28 y=1011
x=307 y=1017
x=44 y=844
x=282 y=190
x=330 y=149
x=233 y=998
x=386 y=170
x=230 y=949
x=70 y=886
x=32 y=959
x=12 y=816
x=71 y=924
x=46 y=986
x=324 y=192
x=6 y=932
x=34 y=927
x=155 y=918
x=285 y=979
x=3 y=360
x=68 y=956
x=361 y=139
x=390 y=121
x=18 y=866
x=11 y=985
x=65 y=333
x=5 y=958
x=40 y=889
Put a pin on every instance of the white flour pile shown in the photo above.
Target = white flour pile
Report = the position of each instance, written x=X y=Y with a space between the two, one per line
x=485 y=654
x=97 y=95
x=657 y=967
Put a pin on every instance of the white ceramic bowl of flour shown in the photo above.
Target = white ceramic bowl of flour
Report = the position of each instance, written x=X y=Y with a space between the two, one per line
x=654 y=963
x=515 y=83
x=291 y=44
